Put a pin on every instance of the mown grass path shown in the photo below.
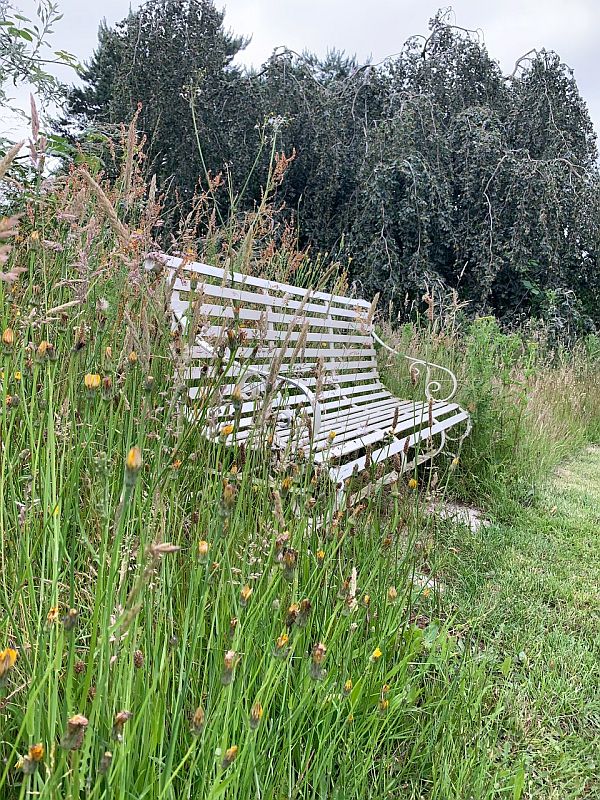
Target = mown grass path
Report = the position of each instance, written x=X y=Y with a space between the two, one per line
x=531 y=592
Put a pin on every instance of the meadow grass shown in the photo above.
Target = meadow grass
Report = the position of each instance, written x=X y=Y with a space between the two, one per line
x=174 y=622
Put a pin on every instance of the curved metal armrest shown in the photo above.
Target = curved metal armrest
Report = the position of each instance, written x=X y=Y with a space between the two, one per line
x=431 y=386
x=310 y=395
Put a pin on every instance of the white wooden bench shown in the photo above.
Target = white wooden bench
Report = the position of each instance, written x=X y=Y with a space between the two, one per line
x=268 y=359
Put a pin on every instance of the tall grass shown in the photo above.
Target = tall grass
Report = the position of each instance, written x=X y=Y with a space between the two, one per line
x=174 y=622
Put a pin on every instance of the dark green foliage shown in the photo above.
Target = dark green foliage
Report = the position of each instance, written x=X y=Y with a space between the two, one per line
x=432 y=171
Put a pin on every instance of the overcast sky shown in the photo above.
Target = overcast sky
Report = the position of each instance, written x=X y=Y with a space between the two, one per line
x=374 y=28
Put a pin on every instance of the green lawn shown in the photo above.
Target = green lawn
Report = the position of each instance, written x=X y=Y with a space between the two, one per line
x=529 y=593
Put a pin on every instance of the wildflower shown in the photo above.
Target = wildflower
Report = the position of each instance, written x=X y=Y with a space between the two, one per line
x=69 y=621
x=376 y=654
x=392 y=594
x=73 y=737
x=245 y=596
x=347 y=687
x=412 y=484
x=292 y=614
x=303 y=612
x=455 y=462
x=320 y=554
x=227 y=430
x=233 y=623
x=91 y=382
x=30 y=762
x=317 y=673
x=198 y=721
x=52 y=615
x=120 y=719
x=149 y=383
x=132 y=358
x=79 y=667
x=366 y=600
x=12 y=401
x=290 y=562
x=106 y=386
x=8 y=659
x=229 y=662
x=45 y=351
x=177 y=463
x=228 y=498
x=105 y=762
x=138 y=659
x=286 y=484
x=281 y=645
x=8 y=338
x=18 y=375
x=203 y=546
x=108 y=352
x=229 y=757
x=133 y=464
x=256 y=713
x=384 y=703
x=332 y=435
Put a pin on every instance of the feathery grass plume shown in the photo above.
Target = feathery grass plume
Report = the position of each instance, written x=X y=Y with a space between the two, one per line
x=119 y=229
x=9 y=157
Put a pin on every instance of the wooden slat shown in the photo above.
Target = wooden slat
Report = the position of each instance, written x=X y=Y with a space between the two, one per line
x=343 y=472
x=174 y=263
x=271 y=317
x=265 y=300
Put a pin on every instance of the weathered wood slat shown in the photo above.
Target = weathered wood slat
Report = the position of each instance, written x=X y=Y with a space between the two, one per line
x=264 y=300
x=175 y=262
x=397 y=446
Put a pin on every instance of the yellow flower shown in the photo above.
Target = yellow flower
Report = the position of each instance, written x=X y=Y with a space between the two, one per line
x=52 y=616
x=132 y=357
x=177 y=463
x=18 y=375
x=133 y=464
x=412 y=484
x=230 y=756
x=348 y=686
x=198 y=721
x=203 y=546
x=320 y=556
x=8 y=337
x=256 y=713
x=36 y=752
x=332 y=435
x=227 y=430
x=8 y=659
x=376 y=655
x=245 y=595
x=392 y=594
x=91 y=381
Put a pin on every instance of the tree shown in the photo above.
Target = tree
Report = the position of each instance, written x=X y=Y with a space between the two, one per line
x=165 y=56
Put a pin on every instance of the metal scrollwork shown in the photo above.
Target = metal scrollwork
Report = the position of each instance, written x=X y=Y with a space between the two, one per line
x=432 y=386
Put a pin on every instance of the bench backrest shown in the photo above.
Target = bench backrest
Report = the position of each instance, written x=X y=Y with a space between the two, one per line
x=321 y=339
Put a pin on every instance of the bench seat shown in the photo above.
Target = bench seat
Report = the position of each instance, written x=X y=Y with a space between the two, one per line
x=265 y=355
